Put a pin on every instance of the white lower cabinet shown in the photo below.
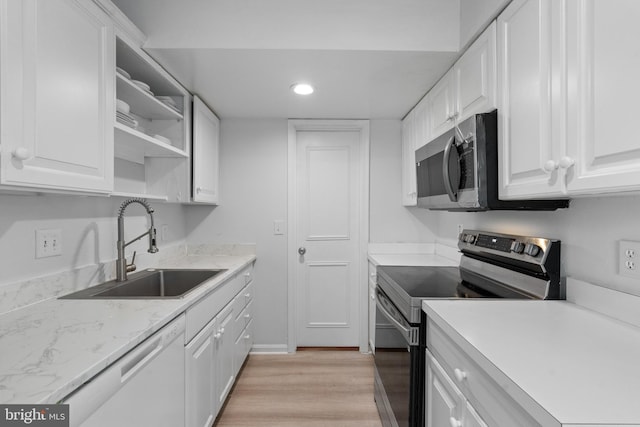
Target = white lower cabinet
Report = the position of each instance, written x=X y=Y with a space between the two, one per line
x=200 y=378
x=459 y=392
x=213 y=355
x=372 y=306
x=445 y=403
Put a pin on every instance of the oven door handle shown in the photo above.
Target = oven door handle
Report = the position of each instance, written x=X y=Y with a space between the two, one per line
x=407 y=332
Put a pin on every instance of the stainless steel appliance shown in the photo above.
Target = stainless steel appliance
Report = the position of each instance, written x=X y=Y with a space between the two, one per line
x=458 y=171
x=493 y=265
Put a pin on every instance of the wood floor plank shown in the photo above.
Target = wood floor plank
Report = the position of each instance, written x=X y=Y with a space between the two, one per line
x=309 y=388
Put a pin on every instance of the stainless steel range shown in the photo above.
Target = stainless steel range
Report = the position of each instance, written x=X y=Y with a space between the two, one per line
x=492 y=265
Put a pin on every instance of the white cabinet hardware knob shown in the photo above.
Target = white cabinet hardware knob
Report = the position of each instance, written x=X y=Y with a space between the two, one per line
x=454 y=422
x=21 y=153
x=460 y=374
x=247 y=316
x=247 y=295
x=217 y=335
x=246 y=337
x=373 y=297
x=221 y=331
x=566 y=162
x=550 y=166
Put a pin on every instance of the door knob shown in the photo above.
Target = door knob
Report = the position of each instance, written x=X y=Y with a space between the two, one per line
x=302 y=250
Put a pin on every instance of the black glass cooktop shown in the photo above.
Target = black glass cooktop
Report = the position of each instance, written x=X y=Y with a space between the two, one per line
x=424 y=282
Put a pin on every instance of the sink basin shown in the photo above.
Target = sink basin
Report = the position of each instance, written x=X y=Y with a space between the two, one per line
x=148 y=284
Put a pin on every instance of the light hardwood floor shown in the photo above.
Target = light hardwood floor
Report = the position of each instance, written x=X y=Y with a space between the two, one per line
x=305 y=389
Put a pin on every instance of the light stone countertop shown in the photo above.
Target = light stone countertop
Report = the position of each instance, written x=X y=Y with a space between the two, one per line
x=579 y=365
x=48 y=349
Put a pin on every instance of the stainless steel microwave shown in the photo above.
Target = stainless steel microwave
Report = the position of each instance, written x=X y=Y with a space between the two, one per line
x=458 y=171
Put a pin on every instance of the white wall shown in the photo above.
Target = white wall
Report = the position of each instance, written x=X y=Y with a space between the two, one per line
x=390 y=222
x=253 y=193
x=474 y=16
x=253 y=178
x=89 y=232
x=589 y=230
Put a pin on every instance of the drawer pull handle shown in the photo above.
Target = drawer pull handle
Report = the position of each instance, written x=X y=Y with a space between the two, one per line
x=460 y=374
x=454 y=422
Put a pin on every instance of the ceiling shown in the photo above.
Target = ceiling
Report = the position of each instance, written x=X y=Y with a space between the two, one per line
x=366 y=58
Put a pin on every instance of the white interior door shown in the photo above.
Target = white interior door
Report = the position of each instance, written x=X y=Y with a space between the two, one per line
x=328 y=185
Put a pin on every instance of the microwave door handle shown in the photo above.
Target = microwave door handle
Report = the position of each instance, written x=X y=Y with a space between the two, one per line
x=453 y=195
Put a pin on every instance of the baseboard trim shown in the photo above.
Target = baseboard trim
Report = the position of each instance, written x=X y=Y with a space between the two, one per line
x=269 y=349
x=328 y=349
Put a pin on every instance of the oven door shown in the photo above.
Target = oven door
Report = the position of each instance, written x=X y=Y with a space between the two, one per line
x=399 y=381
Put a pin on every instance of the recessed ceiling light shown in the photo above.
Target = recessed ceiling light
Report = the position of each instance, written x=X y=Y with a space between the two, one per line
x=302 y=88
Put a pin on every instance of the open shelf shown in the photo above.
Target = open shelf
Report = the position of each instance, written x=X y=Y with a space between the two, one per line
x=134 y=146
x=142 y=103
x=158 y=198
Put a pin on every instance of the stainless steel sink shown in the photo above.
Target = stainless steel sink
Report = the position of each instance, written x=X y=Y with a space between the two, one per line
x=148 y=284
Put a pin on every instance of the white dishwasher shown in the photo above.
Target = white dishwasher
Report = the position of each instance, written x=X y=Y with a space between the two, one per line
x=143 y=388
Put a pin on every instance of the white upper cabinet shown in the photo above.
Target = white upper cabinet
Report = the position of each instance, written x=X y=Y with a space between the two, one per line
x=57 y=104
x=475 y=76
x=206 y=148
x=527 y=140
x=415 y=133
x=567 y=103
x=468 y=88
x=603 y=86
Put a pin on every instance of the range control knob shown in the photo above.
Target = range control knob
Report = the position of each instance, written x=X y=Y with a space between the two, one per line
x=517 y=247
x=470 y=238
x=531 y=249
x=462 y=237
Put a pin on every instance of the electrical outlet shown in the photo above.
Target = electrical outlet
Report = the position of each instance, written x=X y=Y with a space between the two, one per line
x=48 y=243
x=629 y=258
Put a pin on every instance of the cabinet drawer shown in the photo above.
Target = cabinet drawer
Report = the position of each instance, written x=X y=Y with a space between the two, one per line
x=373 y=272
x=244 y=318
x=489 y=396
x=247 y=274
x=202 y=312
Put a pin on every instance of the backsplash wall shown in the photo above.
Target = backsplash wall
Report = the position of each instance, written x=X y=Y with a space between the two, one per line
x=89 y=232
x=589 y=230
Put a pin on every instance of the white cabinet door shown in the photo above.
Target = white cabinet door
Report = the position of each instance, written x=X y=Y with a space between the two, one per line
x=409 y=191
x=372 y=306
x=443 y=399
x=528 y=144
x=206 y=149
x=200 y=379
x=57 y=106
x=475 y=76
x=442 y=105
x=224 y=353
x=604 y=65
x=471 y=417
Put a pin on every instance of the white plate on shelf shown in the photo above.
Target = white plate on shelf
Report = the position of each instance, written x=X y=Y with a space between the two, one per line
x=123 y=73
x=141 y=85
x=162 y=139
x=122 y=106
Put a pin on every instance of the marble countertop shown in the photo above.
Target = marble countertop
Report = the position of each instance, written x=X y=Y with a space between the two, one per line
x=580 y=366
x=52 y=347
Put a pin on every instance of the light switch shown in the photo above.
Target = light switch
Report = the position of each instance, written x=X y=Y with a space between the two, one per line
x=278 y=227
x=48 y=243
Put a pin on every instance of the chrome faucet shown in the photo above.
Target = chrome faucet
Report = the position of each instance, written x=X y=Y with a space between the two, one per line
x=122 y=268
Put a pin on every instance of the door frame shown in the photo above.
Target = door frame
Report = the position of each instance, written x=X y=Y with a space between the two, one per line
x=362 y=126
